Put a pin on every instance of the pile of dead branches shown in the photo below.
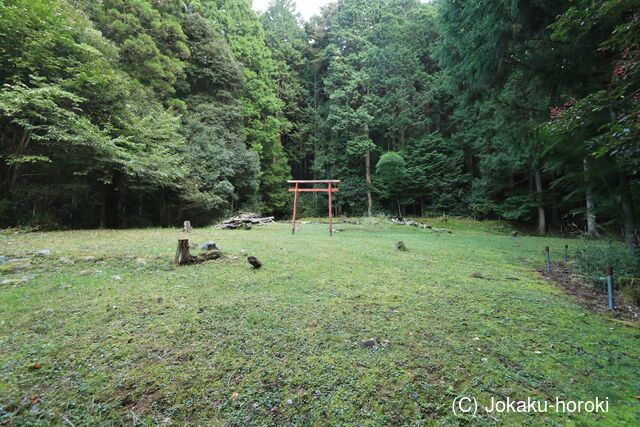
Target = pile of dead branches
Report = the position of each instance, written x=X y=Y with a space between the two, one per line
x=244 y=221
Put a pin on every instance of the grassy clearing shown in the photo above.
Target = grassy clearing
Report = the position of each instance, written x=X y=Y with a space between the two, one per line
x=219 y=343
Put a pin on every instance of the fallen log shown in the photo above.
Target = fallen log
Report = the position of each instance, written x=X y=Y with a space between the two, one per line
x=244 y=221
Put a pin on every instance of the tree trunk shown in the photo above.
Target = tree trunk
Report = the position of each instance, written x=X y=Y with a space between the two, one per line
x=22 y=147
x=628 y=216
x=542 y=221
x=592 y=225
x=367 y=166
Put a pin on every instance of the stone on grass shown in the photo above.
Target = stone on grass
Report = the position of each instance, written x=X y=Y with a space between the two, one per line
x=209 y=246
x=400 y=246
x=86 y=258
x=116 y=277
x=12 y=281
x=243 y=252
x=255 y=262
x=371 y=342
x=484 y=360
x=141 y=261
x=43 y=252
x=63 y=259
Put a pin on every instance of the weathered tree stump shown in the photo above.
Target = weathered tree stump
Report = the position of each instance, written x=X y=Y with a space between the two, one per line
x=187 y=227
x=182 y=253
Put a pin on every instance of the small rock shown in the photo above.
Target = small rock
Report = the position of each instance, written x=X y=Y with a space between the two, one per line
x=101 y=263
x=63 y=259
x=130 y=256
x=29 y=277
x=289 y=401
x=484 y=360
x=44 y=252
x=116 y=277
x=141 y=261
x=12 y=281
x=476 y=339
x=255 y=262
x=371 y=342
x=209 y=246
x=87 y=258
x=243 y=252
x=400 y=246
x=85 y=272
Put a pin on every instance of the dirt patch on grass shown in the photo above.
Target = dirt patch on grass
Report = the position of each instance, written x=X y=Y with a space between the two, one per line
x=589 y=297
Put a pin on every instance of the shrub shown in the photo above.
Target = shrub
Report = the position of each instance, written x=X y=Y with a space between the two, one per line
x=593 y=256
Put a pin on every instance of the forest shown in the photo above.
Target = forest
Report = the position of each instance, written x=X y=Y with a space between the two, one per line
x=133 y=113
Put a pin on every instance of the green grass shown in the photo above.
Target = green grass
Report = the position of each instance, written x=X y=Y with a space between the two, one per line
x=219 y=343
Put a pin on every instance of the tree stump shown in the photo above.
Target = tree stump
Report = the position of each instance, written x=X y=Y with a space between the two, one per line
x=187 y=227
x=182 y=253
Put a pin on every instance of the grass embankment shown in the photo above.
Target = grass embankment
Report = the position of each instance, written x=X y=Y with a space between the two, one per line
x=219 y=343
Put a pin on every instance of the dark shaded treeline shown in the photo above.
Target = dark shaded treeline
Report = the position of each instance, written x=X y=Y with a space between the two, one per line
x=133 y=112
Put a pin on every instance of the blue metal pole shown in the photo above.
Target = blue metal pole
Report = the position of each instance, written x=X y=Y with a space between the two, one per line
x=608 y=271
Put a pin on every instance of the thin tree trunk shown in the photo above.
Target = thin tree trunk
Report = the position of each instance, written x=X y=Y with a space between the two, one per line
x=22 y=147
x=367 y=166
x=542 y=221
x=628 y=216
x=592 y=225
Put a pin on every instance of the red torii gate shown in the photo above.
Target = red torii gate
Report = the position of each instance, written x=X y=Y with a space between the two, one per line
x=297 y=190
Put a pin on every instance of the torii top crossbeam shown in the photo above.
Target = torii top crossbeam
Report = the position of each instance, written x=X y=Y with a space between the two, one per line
x=297 y=190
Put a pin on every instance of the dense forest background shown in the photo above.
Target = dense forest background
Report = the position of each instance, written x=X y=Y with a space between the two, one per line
x=127 y=113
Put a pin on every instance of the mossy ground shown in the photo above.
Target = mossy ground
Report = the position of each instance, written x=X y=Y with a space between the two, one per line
x=220 y=343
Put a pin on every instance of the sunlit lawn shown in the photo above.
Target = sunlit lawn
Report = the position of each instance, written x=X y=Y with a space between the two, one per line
x=220 y=343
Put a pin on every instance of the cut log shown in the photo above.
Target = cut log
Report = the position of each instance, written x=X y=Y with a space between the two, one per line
x=187 y=227
x=182 y=253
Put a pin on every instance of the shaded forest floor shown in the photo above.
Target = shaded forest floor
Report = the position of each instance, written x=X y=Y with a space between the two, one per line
x=126 y=337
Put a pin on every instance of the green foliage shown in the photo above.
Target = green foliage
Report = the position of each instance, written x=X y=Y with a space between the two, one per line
x=593 y=256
